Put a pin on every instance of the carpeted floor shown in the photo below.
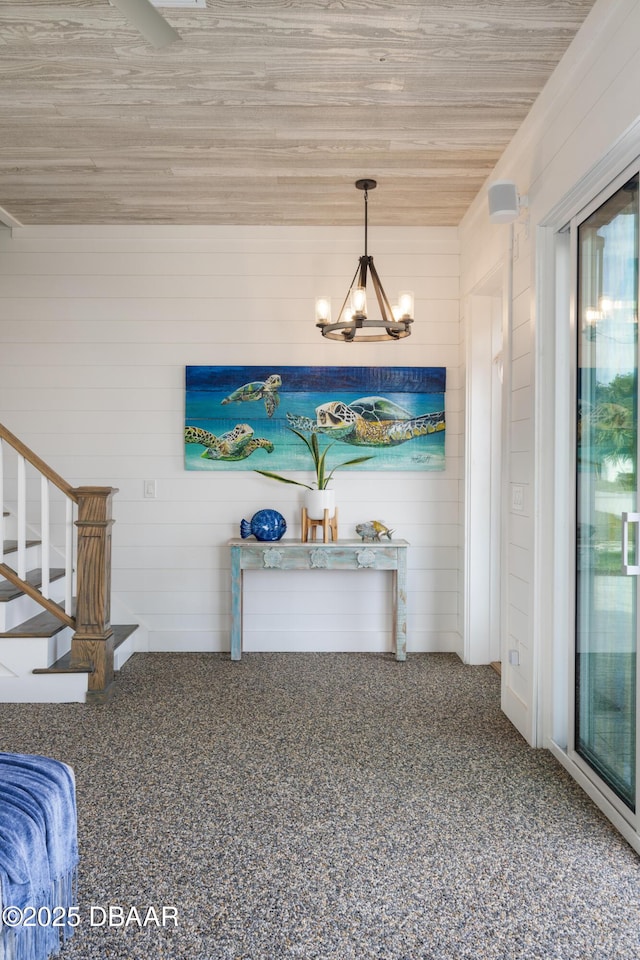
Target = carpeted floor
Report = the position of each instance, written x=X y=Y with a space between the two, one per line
x=328 y=807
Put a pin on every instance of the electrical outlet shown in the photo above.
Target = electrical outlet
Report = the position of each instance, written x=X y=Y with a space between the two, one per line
x=150 y=490
x=514 y=658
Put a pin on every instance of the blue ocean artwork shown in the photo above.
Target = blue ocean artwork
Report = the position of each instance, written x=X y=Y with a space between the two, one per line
x=241 y=417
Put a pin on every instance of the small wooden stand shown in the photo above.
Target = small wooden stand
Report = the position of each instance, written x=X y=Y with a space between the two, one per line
x=327 y=524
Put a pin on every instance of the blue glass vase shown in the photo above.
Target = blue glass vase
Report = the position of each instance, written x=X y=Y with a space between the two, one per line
x=264 y=525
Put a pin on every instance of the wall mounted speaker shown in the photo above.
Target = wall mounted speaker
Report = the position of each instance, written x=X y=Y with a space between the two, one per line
x=503 y=202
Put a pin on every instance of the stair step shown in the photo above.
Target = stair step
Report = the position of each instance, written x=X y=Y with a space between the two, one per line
x=121 y=631
x=44 y=624
x=33 y=577
x=63 y=665
x=11 y=546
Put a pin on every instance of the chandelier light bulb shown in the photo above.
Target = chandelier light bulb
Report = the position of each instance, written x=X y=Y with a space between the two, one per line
x=359 y=302
x=406 y=304
x=323 y=310
x=606 y=304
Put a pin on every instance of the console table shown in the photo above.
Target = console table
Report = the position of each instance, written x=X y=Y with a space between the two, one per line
x=341 y=555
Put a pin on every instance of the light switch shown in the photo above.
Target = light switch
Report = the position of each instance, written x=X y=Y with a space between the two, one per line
x=517 y=497
x=150 y=489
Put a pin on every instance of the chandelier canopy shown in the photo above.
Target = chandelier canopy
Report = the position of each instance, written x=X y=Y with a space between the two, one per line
x=354 y=323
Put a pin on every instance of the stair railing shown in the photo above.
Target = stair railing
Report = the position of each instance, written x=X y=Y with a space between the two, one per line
x=88 y=510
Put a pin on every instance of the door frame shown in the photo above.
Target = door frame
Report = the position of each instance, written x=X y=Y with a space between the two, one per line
x=556 y=351
x=484 y=475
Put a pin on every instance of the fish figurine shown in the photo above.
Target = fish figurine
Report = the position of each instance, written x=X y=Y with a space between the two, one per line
x=373 y=530
x=264 y=525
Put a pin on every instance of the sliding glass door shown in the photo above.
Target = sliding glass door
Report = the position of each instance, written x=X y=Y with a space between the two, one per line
x=608 y=543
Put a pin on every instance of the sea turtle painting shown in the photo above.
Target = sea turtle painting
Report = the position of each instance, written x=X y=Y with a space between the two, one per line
x=236 y=444
x=368 y=422
x=266 y=390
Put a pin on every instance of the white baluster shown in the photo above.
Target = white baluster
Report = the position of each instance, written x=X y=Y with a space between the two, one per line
x=45 y=537
x=22 y=518
x=1 y=503
x=68 y=559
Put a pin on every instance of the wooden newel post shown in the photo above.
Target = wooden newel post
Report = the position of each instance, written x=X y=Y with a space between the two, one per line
x=93 y=640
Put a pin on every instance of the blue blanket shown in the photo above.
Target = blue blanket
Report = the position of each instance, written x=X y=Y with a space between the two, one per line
x=38 y=852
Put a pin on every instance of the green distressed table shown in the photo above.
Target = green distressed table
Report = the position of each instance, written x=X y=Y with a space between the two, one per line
x=342 y=555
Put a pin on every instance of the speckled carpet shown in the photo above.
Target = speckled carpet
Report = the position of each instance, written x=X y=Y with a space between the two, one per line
x=327 y=807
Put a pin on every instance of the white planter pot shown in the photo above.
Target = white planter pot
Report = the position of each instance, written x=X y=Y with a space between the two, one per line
x=317 y=501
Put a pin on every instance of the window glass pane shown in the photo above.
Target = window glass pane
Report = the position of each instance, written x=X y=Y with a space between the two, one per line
x=606 y=484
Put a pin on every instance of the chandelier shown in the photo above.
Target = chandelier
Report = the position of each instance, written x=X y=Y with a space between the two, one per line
x=353 y=323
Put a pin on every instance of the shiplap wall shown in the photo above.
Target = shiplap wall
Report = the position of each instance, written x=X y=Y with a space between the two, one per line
x=96 y=327
x=587 y=105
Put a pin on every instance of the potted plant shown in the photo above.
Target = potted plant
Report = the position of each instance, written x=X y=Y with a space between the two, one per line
x=319 y=498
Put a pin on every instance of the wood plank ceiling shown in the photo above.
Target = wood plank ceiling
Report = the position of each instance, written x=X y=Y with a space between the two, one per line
x=267 y=111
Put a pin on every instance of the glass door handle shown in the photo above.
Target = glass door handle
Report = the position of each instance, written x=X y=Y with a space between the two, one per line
x=629 y=569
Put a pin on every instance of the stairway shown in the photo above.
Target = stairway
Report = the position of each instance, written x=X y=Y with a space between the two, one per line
x=35 y=645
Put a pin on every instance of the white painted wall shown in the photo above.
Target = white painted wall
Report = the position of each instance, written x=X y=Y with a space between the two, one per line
x=589 y=102
x=96 y=327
